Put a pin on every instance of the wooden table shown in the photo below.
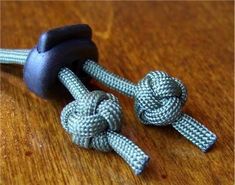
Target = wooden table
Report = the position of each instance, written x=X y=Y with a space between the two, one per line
x=192 y=41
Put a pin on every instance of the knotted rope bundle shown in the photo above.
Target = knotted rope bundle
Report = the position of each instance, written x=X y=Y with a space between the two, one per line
x=92 y=119
x=159 y=99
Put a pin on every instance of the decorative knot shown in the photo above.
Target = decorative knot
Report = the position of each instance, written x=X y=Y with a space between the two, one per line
x=159 y=98
x=89 y=119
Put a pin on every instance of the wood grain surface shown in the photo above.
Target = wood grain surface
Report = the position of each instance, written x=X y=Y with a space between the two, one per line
x=192 y=41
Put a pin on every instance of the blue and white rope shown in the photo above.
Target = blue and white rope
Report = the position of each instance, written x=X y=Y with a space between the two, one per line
x=93 y=119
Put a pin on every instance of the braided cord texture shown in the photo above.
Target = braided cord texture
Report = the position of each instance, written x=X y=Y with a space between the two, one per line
x=13 y=56
x=195 y=132
x=159 y=99
x=109 y=79
x=72 y=83
x=94 y=119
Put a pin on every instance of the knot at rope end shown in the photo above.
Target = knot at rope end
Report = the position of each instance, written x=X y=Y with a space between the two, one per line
x=94 y=120
x=159 y=99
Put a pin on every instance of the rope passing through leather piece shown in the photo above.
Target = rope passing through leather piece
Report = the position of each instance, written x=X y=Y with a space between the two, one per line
x=93 y=119
x=159 y=99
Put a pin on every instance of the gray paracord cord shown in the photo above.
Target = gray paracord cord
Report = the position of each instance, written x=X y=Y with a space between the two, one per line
x=159 y=99
x=93 y=118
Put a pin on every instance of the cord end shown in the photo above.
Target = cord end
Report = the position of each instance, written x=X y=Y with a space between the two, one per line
x=130 y=152
x=143 y=164
x=210 y=144
x=195 y=132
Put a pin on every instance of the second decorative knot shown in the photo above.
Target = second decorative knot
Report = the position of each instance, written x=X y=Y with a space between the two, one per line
x=159 y=98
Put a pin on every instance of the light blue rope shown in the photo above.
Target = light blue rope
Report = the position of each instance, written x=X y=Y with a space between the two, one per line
x=93 y=118
x=16 y=56
x=159 y=99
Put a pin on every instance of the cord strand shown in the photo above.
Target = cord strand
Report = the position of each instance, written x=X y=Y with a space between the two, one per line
x=13 y=56
x=108 y=78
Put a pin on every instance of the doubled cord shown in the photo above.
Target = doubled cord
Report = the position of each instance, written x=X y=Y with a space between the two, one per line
x=93 y=119
x=159 y=99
